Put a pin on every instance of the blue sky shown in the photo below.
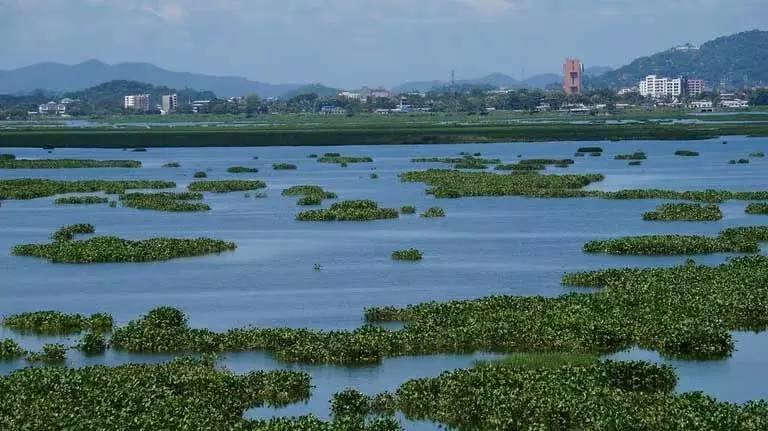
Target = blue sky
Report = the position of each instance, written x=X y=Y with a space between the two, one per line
x=349 y=43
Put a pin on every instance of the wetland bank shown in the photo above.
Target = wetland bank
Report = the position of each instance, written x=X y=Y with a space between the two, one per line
x=490 y=280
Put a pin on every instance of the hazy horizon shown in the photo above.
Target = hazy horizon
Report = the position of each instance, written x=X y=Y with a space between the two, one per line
x=347 y=44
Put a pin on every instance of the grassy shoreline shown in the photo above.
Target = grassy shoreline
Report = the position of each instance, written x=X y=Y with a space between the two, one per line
x=369 y=135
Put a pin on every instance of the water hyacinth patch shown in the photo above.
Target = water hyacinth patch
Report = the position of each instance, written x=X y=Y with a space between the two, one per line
x=589 y=150
x=10 y=350
x=242 y=170
x=635 y=163
x=356 y=210
x=110 y=249
x=92 y=343
x=408 y=209
x=757 y=154
x=686 y=153
x=669 y=245
x=409 y=254
x=26 y=188
x=67 y=233
x=200 y=174
x=225 y=186
x=186 y=394
x=454 y=160
x=81 y=200
x=165 y=201
x=56 y=323
x=172 y=165
x=434 y=212
x=343 y=160
x=310 y=194
x=51 y=354
x=685 y=212
x=284 y=166
x=637 y=155
x=66 y=164
x=310 y=200
x=312 y=156
x=5 y=157
x=761 y=208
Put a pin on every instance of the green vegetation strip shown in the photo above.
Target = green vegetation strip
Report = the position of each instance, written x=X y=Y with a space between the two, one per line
x=284 y=166
x=225 y=186
x=757 y=208
x=732 y=240
x=686 y=153
x=358 y=210
x=409 y=254
x=597 y=396
x=81 y=200
x=434 y=212
x=10 y=350
x=110 y=249
x=66 y=163
x=638 y=155
x=342 y=160
x=200 y=174
x=684 y=212
x=310 y=194
x=54 y=322
x=184 y=394
x=67 y=233
x=408 y=209
x=165 y=201
x=242 y=170
x=26 y=188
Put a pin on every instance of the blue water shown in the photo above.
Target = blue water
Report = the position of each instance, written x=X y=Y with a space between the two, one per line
x=485 y=246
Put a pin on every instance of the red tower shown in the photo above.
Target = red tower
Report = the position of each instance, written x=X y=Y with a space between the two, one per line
x=572 y=73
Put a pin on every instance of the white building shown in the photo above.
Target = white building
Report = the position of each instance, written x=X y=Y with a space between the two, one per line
x=137 y=101
x=653 y=86
x=702 y=104
x=198 y=105
x=170 y=103
x=628 y=90
x=52 y=108
x=734 y=104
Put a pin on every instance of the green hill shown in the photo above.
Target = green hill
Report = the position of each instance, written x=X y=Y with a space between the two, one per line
x=740 y=59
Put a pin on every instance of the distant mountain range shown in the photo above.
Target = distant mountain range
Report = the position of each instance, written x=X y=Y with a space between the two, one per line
x=739 y=60
x=62 y=78
x=495 y=80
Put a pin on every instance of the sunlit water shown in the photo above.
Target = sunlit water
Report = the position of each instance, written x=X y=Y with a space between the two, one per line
x=485 y=246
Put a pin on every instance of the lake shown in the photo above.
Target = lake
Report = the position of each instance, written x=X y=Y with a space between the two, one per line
x=485 y=246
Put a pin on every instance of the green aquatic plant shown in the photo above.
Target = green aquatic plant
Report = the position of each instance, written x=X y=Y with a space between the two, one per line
x=186 y=394
x=26 y=188
x=374 y=176
x=589 y=150
x=51 y=354
x=332 y=155
x=548 y=360
x=200 y=174
x=66 y=164
x=520 y=167
x=104 y=249
x=637 y=155
x=312 y=156
x=172 y=165
x=310 y=194
x=139 y=150
x=357 y=210
x=92 y=343
x=468 y=159
x=737 y=240
x=52 y=322
x=686 y=153
x=67 y=233
x=578 y=154
x=434 y=212
x=595 y=154
x=408 y=209
x=242 y=170
x=10 y=350
x=685 y=212
x=81 y=200
x=742 y=161
x=409 y=254
x=757 y=154
x=165 y=201
x=761 y=208
x=225 y=186
x=284 y=166
x=343 y=160
x=4 y=157
x=635 y=163
x=310 y=200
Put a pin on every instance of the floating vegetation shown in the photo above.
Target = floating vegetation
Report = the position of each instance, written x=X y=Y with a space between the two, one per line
x=521 y=167
x=172 y=165
x=6 y=157
x=225 y=186
x=757 y=154
x=635 y=163
x=740 y=161
x=312 y=156
x=26 y=188
x=92 y=343
x=686 y=153
x=578 y=154
x=81 y=200
x=165 y=201
x=761 y=208
x=732 y=240
x=139 y=150
x=535 y=164
x=684 y=212
x=339 y=159
x=637 y=155
x=55 y=323
x=434 y=212
x=470 y=163
x=310 y=200
x=595 y=154
x=242 y=170
x=354 y=210
x=374 y=176
x=51 y=354
x=408 y=209
x=200 y=174
x=410 y=254
x=104 y=249
x=284 y=166
x=10 y=349
x=67 y=233
x=186 y=394
x=599 y=396
x=66 y=164
x=545 y=360
x=468 y=159
x=589 y=150
x=454 y=184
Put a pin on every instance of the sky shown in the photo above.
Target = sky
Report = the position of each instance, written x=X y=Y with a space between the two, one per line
x=350 y=43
